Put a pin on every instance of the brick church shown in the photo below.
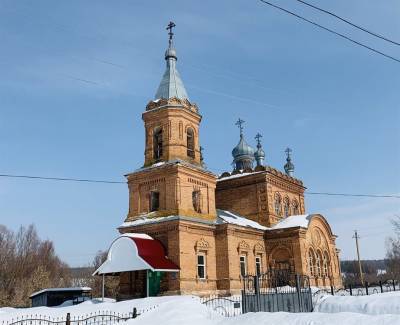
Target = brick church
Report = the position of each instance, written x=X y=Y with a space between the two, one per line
x=217 y=229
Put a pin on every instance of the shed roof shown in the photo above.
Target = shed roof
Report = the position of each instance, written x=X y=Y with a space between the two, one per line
x=60 y=290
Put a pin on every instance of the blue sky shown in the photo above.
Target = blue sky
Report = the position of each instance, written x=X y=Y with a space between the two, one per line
x=76 y=76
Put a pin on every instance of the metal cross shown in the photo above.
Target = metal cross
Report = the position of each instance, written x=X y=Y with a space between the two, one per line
x=288 y=152
x=258 y=138
x=240 y=123
x=169 y=27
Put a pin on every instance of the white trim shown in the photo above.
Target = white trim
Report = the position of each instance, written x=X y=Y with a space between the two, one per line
x=203 y=265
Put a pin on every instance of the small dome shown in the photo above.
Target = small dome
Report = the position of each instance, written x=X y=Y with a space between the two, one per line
x=170 y=53
x=242 y=149
x=259 y=153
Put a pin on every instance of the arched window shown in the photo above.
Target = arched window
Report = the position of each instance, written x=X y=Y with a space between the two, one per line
x=190 y=142
x=326 y=264
x=196 y=199
x=286 y=207
x=278 y=204
x=318 y=264
x=311 y=260
x=158 y=143
x=295 y=208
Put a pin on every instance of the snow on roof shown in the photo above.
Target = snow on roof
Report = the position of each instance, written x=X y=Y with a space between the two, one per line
x=60 y=289
x=236 y=176
x=232 y=218
x=294 y=221
x=146 y=219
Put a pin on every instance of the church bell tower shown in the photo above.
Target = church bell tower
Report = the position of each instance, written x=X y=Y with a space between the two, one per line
x=173 y=180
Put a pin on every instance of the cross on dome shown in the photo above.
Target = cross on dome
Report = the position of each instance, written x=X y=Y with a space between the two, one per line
x=240 y=123
x=170 y=33
x=258 y=138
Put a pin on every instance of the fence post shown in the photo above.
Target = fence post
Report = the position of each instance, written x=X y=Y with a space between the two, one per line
x=68 y=320
x=351 y=291
x=243 y=302
x=380 y=284
x=332 y=291
x=297 y=277
x=366 y=287
x=257 y=292
x=134 y=313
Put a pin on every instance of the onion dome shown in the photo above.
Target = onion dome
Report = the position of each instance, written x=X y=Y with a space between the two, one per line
x=259 y=155
x=289 y=167
x=243 y=154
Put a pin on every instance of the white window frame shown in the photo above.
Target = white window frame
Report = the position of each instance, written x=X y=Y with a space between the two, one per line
x=244 y=256
x=204 y=265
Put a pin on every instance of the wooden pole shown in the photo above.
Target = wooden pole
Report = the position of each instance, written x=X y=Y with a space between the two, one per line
x=102 y=289
x=147 y=284
x=358 y=257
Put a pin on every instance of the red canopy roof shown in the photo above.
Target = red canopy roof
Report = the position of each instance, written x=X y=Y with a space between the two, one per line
x=134 y=252
x=152 y=251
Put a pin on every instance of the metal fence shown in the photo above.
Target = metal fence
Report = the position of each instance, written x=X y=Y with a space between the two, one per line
x=277 y=290
x=224 y=305
x=361 y=290
x=103 y=317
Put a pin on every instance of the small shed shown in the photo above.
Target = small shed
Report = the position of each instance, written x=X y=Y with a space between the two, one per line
x=56 y=296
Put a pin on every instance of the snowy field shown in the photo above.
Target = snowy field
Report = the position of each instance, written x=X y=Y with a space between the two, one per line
x=338 y=310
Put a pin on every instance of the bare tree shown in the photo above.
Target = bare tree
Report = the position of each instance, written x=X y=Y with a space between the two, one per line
x=393 y=249
x=86 y=278
x=27 y=264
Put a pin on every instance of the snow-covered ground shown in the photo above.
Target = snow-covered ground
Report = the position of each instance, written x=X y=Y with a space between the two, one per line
x=372 y=310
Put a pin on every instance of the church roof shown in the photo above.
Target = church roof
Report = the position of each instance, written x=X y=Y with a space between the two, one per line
x=223 y=217
x=302 y=221
x=233 y=218
x=171 y=84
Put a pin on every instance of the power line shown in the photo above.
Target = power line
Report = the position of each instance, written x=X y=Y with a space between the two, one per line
x=65 y=179
x=331 y=31
x=356 y=195
x=348 y=22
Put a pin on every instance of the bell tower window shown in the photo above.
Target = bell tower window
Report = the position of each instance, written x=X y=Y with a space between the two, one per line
x=158 y=143
x=190 y=142
x=154 y=201
x=196 y=201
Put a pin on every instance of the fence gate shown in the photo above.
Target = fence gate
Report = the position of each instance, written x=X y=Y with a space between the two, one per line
x=277 y=290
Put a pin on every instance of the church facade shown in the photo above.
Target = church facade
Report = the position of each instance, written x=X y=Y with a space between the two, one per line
x=218 y=229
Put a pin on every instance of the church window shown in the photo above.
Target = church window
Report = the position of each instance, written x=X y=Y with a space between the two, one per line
x=154 y=201
x=158 y=144
x=201 y=266
x=311 y=262
x=295 y=205
x=278 y=204
x=196 y=199
x=326 y=264
x=258 y=265
x=286 y=207
x=243 y=265
x=318 y=264
x=190 y=142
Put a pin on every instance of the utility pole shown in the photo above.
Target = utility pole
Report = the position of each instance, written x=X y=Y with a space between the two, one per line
x=358 y=256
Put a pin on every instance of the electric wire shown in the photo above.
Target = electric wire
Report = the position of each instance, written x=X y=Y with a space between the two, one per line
x=330 y=30
x=65 y=179
x=349 y=22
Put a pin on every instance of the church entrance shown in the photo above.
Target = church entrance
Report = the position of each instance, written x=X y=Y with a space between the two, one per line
x=154 y=282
